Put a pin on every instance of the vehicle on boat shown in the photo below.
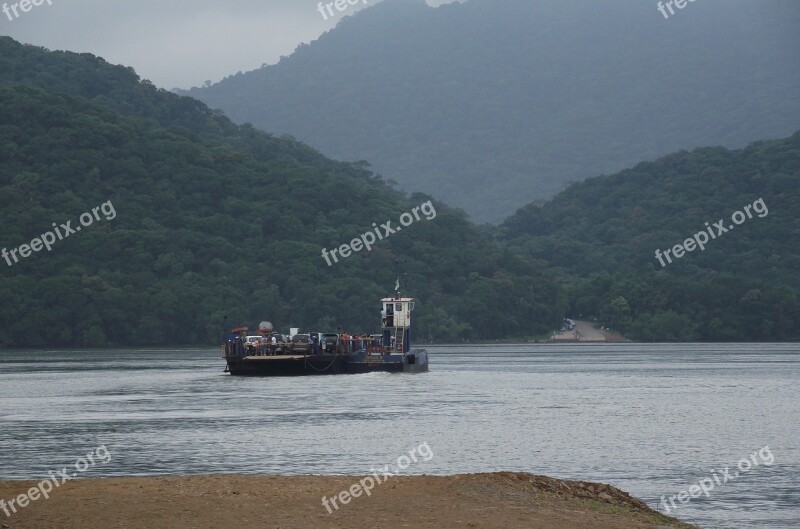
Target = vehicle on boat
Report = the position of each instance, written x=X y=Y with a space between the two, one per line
x=315 y=353
x=330 y=342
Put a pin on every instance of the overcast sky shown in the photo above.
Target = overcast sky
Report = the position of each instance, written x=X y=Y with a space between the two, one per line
x=176 y=43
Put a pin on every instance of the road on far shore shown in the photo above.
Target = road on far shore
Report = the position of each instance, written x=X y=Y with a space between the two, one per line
x=587 y=332
x=584 y=332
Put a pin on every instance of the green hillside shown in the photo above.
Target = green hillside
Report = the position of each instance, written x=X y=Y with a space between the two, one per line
x=602 y=234
x=213 y=219
x=491 y=104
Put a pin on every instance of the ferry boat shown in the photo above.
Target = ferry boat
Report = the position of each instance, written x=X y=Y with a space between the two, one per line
x=268 y=353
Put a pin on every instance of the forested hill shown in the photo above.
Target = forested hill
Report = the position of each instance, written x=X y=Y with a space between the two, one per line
x=603 y=234
x=492 y=104
x=213 y=219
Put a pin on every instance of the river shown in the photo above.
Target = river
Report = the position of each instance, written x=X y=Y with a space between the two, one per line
x=650 y=419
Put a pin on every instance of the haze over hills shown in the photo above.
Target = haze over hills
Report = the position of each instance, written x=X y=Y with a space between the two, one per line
x=214 y=219
x=492 y=104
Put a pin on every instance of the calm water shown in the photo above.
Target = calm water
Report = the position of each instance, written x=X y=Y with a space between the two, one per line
x=650 y=419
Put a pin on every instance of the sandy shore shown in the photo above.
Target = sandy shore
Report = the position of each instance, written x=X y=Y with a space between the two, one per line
x=500 y=500
x=585 y=332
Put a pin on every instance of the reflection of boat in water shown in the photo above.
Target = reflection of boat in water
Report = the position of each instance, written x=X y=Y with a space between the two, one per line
x=274 y=354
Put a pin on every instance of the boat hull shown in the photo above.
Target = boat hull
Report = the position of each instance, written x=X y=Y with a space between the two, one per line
x=415 y=361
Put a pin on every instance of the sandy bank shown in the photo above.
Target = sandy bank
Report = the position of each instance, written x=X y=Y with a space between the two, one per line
x=500 y=500
x=585 y=331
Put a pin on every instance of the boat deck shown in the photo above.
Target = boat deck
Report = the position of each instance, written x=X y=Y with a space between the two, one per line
x=274 y=357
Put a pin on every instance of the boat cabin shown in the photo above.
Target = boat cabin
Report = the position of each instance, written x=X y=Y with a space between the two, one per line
x=396 y=322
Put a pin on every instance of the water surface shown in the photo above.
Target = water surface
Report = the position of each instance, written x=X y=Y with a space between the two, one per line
x=650 y=419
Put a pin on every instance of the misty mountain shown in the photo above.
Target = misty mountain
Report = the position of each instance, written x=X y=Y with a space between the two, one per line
x=217 y=219
x=214 y=219
x=492 y=104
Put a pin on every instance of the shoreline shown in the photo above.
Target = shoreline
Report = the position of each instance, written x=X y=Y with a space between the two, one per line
x=489 y=501
x=518 y=341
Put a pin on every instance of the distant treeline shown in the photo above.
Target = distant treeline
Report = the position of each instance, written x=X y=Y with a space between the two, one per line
x=602 y=235
x=216 y=220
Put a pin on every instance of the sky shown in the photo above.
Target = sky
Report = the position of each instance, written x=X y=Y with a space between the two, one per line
x=176 y=43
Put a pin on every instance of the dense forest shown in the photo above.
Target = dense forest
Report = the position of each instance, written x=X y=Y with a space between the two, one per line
x=602 y=234
x=491 y=104
x=215 y=220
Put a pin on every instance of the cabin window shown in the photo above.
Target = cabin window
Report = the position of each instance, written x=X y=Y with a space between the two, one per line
x=398 y=307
